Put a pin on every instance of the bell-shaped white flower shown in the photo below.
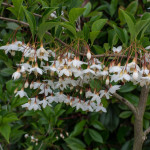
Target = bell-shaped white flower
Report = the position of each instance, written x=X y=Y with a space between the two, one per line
x=117 y=49
x=17 y=74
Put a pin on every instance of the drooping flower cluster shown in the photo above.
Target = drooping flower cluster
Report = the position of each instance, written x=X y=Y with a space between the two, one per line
x=66 y=77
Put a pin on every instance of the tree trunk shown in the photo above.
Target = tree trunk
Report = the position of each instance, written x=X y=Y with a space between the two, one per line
x=138 y=123
x=138 y=133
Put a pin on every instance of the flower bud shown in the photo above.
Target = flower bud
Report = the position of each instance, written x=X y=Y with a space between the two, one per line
x=31 y=85
x=26 y=84
x=88 y=55
x=135 y=75
x=107 y=80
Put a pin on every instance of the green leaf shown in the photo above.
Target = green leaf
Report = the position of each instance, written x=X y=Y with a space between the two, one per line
x=130 y=23
x=120 y=34
x=95 y=136
x=140 y=25
x=47 y=13
x=132 y=98
x=132 y=7
x=122 y=132
x=125 y=114
x=147 y=115
x=112 y=37
x=98 y=24
x=128 y=87
x=9 y=117
x=31 y=20
x=98 y=125
x=5 y=131
x=44 y=27
x=19 y=101
x=110 y=120
x=75 y=144
x=113 y=7
x=88 y=7
x=86 y=31
x=75 y=13
x=69 y=26
x=93 y=36
x=6 y=72
x=78 y=128
x=12 y=26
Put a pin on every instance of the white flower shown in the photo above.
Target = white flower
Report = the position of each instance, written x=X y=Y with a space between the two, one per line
x=17 y=74
x=44 y=103
x=94 y=66
x=26 y=105
x=45 y=90
x=60 y=97
x=14 y=47
x=50 y=98
x=117 y=50
x=96 y=97
x=36 y=70
x=115 y=69
x=114 y=88
x=42 y=53
x=88 y=94
x=76 y=62
x=21 y=93
x=104 y=93
x=64 y=71
x=34 y=104
x=51 y=53
x=100 y=108
x=88 y=70
x=36 y=85
x=125 y=76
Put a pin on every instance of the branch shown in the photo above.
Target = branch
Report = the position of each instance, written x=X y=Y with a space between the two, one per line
x=147 y=131
x=126 y=102
x=13 y=20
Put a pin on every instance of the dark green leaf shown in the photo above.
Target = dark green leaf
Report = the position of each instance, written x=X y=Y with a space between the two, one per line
x=93 y=36
x=125 y=114
x=95 y=136
x=5 y=131
x=75 y=144
x=130 y=23
x=78 y=128
x=128 y=87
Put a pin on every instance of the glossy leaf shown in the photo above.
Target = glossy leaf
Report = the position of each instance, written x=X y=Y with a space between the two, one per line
x=75 y=13
x=98 y=24
x=5 y=131
x=95 y=136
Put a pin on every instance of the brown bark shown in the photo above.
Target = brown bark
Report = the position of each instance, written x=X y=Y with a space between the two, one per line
x=139 y=136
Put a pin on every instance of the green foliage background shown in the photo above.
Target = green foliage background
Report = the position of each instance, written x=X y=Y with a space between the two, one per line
x=104 y=24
